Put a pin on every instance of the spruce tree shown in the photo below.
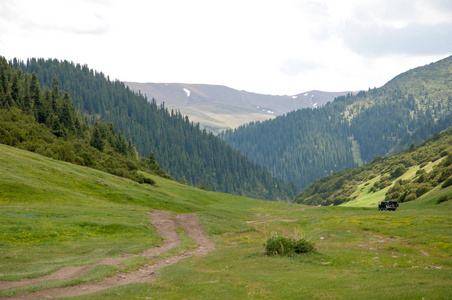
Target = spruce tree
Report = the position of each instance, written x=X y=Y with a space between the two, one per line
x=96 y=140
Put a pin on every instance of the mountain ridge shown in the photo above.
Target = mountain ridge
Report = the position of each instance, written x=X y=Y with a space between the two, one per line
x=185 y=152
x=404 y=177
x=218 y=107
x=308 y=144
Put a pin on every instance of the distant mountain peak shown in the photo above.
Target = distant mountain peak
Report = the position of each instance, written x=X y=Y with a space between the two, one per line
x=218 y=107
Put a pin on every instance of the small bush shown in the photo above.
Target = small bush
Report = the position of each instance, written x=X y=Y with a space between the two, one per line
x=423 y=164
x=447 y=182
x=203 y=187
x=399 y=171
x=303 y=246
x=421 y=179
x=141 y=179
x=420 y=172
x=410 y=197
x=442 y=199
x=287 y=246
x=339 y=200
x=445 y=174
x=448 y=160
x=422 y=189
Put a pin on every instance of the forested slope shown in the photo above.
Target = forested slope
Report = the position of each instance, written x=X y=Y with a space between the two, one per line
x=46 y=122
x=308 y=144
x=430 y=164
x=304 y=144
x=181 y=148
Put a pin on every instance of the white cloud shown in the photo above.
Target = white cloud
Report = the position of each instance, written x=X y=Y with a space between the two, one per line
x=411 y=40
x=278 y=47
x=293 y=67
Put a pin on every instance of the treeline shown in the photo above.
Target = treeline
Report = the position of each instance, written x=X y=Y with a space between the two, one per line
x=311 y=143
x=341 y=186
x=187 y=153
x=45 y=121
x=304 y=144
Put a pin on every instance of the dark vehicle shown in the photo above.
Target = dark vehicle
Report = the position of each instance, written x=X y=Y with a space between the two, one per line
x=388 y=205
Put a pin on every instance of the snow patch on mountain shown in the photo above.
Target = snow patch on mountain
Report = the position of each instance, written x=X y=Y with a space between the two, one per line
x=187 y=91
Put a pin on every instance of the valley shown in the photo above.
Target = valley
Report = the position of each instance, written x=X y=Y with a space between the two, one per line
x=106 y=195
x=218 y=108
x=308 y=144
x=68 y=219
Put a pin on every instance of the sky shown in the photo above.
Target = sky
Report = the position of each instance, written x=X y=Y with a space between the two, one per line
x=274 y=47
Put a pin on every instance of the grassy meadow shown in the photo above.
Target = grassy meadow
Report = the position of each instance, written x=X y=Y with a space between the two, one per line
x=55 y=214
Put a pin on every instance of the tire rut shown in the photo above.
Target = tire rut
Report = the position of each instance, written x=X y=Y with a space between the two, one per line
x=166 y=228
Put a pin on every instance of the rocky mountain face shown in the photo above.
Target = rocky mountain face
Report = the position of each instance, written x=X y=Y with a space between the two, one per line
x=218 y=107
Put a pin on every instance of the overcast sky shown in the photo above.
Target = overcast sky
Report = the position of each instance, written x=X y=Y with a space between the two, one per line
x=272 y=47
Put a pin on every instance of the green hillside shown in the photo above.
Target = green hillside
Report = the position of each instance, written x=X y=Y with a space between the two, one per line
x=417 y=171
x=184 y=151
x=308 y=144
x=54 y=214
x=46 y=122
x=81 y=214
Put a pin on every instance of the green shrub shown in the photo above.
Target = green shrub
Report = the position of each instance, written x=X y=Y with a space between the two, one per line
x=203 y=187
x=421 y=179
x=146 y=180
x=445 y=174
x=447 y=183
x=442 y=199
x=287 y=246
x=410 y=197
x=303 y=246
x=422 y=189
x=420 y=172
x=399 y=171
x=444 y=153
x=448 y=161
x=339 y=200
x=423 y=164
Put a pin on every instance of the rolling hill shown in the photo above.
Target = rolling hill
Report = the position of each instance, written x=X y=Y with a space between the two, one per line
x=68 y=229
x=403 y=177
x=218 y=108
x=71 y=230
x=180 y=147
x=307 y=144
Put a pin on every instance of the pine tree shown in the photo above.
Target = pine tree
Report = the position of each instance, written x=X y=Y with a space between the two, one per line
x=56 y=96
x=56 y=128
x=15 y=90
x=67 y=117
x=96 y=140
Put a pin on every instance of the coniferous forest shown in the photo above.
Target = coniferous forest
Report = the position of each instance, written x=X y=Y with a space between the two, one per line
x=311 y=143
x=178 y=146
x=298 y=147
x=45 y=121
x=344 y=185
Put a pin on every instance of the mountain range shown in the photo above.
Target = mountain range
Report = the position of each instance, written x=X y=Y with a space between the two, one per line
x=218 y=107
x=307 y=144
x=186 y=152
x=271 y=159
x=91 y=208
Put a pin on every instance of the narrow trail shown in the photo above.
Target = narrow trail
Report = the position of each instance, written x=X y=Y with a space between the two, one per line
x=166 y=228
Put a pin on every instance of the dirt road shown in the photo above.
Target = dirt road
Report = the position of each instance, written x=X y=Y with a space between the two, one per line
x=166 y=228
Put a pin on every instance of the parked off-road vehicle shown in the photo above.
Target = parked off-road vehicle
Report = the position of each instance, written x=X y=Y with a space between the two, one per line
x=388 y=205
